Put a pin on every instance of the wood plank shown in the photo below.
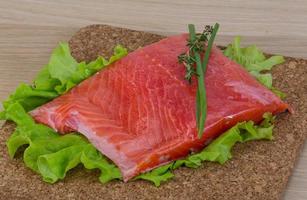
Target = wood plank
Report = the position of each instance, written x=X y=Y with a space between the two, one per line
x=281 y=24
x=30 y=29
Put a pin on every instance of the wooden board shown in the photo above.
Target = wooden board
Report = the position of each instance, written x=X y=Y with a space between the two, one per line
x=277 y=26
x=259 y=170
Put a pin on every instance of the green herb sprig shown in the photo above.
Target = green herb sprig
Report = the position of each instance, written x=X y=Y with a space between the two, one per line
x=196 y=66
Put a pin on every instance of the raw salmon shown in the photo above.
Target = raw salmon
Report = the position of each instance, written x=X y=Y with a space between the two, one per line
x=140 y=111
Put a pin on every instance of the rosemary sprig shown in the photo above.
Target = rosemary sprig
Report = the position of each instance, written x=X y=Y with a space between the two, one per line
x=195 y=66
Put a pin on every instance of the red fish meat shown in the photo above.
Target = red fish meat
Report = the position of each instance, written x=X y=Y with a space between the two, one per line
x=140 y=112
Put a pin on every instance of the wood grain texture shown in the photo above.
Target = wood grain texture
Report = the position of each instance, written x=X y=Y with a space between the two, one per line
x=30 y=29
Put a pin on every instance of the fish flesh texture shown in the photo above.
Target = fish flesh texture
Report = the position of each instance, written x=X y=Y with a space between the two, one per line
x=140 y=111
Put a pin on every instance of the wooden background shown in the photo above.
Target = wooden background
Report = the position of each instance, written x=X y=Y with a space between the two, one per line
x=29 y=29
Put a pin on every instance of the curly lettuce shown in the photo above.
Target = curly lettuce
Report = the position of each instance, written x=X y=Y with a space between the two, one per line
x=255 y=62
x=52 y=155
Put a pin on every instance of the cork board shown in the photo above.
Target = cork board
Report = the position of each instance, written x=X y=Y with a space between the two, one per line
x=258 y=170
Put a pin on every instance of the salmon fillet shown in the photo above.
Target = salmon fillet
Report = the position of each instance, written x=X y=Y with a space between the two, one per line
x=140 y=111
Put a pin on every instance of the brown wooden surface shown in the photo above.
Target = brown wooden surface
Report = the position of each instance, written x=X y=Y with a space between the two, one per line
x=30 y=29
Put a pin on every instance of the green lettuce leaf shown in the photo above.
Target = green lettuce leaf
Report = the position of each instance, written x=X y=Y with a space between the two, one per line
x=29 y=97
x=158 y=175
x=44 y=82
x=93 y=159
x=254 y=61
x=64 y=68
x=62 y=65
